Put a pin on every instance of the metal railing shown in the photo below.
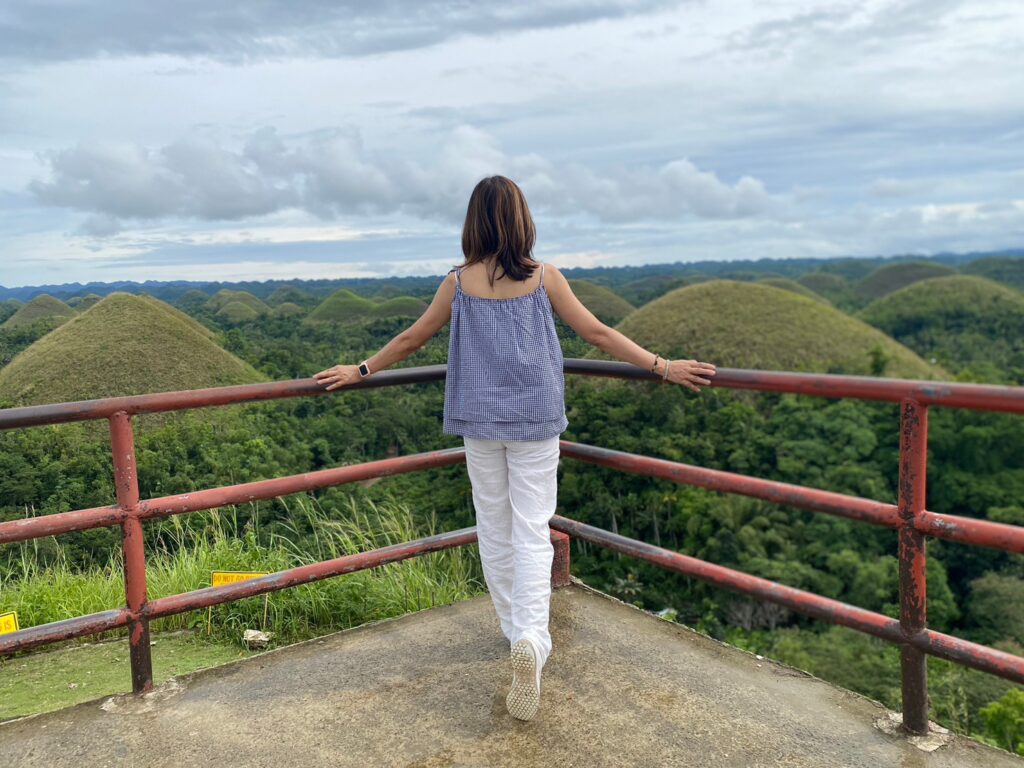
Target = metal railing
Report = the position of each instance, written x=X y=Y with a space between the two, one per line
x=908 y=516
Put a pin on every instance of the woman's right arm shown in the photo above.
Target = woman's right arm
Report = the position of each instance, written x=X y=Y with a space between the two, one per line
x=689 y=373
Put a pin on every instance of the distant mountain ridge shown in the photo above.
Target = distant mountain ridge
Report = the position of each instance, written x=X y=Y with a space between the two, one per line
x=424 y=285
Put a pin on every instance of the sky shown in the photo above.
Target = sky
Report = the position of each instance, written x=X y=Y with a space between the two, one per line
x=281 y=139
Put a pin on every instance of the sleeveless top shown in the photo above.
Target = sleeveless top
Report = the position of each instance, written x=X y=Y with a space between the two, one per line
x=505 y=376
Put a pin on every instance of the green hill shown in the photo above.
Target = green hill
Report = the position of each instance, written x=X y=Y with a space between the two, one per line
x=400 y=306
x=288 y=309
x=342 y=306
x=1002 y=269
x=962 y=321
x=892 y=277
x=287 y=294
x=223 y=297
x=82 y=303
x=644 y=289
x=125 y=344
x=7 y=308
x=237 y=312
x=42 y=307
x=747 y=325
x=606 y=305
x=192 y=300
x=792 y=285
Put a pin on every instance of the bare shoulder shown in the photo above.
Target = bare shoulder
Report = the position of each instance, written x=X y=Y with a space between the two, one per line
x=553 y=276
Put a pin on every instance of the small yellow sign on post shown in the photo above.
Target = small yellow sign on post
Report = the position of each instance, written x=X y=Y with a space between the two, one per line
x=9 y=622
x=222 y=578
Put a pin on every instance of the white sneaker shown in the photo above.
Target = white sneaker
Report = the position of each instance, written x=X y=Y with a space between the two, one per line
x=524 y=697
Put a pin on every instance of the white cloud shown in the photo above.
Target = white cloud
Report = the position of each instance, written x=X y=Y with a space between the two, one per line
x=333 y=173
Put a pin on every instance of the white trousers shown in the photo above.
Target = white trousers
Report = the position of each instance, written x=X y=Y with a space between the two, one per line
x=514 y=493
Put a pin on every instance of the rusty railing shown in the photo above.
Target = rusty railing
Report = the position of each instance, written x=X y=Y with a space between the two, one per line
x=913 y=522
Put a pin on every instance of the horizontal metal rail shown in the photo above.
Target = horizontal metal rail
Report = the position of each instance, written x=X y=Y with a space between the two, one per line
x=981 y=397
x=202 y=598
x=807 y=603
x=908 y=516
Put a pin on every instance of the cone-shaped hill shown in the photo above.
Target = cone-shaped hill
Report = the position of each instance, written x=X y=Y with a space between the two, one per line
x=749 y=325
x=224 y=297
x=961 y=320
x=892 y=277
x=40 y=307
x=344 y=306
x=287 y=294
x=82 y=303
x=123 y=345
x=606 y=305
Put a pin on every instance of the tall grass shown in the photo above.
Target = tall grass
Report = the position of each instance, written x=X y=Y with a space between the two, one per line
x=182 y=552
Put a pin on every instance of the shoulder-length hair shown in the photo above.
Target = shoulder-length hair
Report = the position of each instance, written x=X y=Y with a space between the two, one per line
x=498 y=224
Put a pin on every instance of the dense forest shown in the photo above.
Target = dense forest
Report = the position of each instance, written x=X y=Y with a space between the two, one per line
x=957 y=318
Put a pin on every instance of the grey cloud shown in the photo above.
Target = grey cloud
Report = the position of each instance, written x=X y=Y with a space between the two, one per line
x=34 y=31
x=332 y=173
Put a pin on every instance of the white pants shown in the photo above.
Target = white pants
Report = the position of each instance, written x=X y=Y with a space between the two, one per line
x=514 y=493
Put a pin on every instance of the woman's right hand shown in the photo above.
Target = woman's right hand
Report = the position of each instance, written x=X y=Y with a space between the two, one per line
x=690 y=373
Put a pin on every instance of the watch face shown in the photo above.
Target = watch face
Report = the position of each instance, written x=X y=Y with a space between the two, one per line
x=364 y=370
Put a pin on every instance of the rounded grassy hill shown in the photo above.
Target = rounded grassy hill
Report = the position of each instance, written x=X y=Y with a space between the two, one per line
x=606 y=305
x=892 y=277
x=400 y=306
x=41 y=307
x=962 y=321
x=342 y=306
x=287 y=294
x=749 y=325
x=1005 y=270
x=123 y=345
x=225 y=296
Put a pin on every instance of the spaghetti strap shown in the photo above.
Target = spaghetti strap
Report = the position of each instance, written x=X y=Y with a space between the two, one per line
x=541 y=276
x=456 y=271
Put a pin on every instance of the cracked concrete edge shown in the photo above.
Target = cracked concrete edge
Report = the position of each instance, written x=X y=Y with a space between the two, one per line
x=179 y=683
x=940 y=737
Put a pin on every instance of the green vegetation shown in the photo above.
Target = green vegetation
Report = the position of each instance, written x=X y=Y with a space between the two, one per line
x=43 y=682
x=42 y=307
x=344 y=307
x=747 y=325
x=7 y=308
x=288 y=294
x=786 y=284
x=237 y=312
x=605 y=304
x=976 y=469
x=123 y=345
x=225 y=297
x=968 y=324
x=400 y=306
x=288 y=309
x=892 y=277
x=1003 y=270
x=82 y=303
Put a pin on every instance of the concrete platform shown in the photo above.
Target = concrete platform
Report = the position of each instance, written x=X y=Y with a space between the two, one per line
x=621 y=688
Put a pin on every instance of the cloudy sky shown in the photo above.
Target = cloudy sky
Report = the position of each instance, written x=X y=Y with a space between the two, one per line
x=319 y=138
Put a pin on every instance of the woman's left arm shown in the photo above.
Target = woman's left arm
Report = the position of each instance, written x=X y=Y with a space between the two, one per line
x=401 y=346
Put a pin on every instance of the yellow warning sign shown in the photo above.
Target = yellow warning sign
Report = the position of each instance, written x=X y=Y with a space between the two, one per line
x=9 y=622
x=220 y=578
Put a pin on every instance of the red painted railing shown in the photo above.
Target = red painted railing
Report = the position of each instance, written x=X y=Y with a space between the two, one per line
x=908 y=516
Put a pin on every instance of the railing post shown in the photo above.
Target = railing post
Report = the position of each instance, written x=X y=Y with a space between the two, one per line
x=560 y=564
x=913 y=559
x=126 y=482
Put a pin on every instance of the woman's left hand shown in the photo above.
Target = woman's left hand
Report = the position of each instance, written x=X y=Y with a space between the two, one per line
x=338 y=376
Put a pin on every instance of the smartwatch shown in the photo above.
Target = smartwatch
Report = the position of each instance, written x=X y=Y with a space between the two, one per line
x=364 y=369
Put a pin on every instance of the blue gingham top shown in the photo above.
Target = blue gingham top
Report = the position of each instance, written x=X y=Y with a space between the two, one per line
x=505 y=377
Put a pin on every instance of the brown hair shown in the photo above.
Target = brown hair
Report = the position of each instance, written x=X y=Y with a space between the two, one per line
x=498 y=224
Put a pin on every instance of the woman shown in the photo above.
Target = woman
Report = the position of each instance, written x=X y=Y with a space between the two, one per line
x=504 y=397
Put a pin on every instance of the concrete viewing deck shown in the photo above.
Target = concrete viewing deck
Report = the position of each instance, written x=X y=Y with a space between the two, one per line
x=427 y=689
